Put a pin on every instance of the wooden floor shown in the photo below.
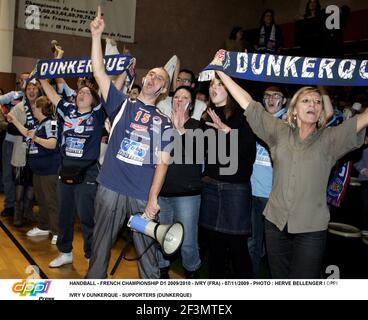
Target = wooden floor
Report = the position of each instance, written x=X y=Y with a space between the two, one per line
x=18 y=252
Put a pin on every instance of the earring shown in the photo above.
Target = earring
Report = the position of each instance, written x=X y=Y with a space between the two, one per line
x=294 y=117
x=319 y=123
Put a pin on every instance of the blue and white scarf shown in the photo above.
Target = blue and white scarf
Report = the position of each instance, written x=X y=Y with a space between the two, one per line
x=263 y=40
x=82 y=67
x=31 y=122
x=289 y=69
x=340 y=177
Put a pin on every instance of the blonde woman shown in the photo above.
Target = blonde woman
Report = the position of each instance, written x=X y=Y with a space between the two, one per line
x=303 y=151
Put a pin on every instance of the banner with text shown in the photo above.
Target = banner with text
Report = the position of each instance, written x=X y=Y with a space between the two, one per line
x=82 y=67
x=289 y=69
x=74 y=17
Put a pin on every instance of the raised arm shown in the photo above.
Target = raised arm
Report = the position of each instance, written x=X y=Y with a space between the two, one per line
x=58 y=54
x=103 y=80
x=175 y=75
x=362 y=121
x=326 y=102
x=13 y=119
x=120 y=81
x=50 y=92
x=12 y=95
x=239 y=94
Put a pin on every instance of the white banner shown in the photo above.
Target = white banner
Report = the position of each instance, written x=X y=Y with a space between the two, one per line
x=74 y=17
x=151 y=290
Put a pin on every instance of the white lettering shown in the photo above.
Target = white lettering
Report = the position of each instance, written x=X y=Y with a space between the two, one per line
x=71 y=66
x=111 y=64
x=274 y=64
x=89 y=66
x=81 y=66
x=242 y=62
x=53 y=67
x=62 y=67
x=362 y=70
x=255 y=70
x=326 y=64
x=120 y=64
x=44 y=68
x=348 y=73
x=290 y=65
x=308 y=63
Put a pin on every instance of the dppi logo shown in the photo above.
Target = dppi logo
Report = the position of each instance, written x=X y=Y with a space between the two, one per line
x=32 y=289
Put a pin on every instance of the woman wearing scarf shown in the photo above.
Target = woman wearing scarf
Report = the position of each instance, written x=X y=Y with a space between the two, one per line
x=269 y=37
x=303 y=152
x=23 y=175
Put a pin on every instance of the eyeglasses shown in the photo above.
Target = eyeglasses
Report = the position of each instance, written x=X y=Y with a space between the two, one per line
x=185 y=81
x=275 y=96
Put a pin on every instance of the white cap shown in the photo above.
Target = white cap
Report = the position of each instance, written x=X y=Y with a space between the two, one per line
x=356 y=106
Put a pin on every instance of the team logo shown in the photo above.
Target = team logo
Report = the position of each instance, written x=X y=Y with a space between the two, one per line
x=72 y=113
x=90 y=121
x=221 y=59
x=138 y=127
x=132 y=152
x=156 y=120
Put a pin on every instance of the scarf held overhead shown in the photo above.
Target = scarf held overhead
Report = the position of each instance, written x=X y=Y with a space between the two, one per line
x=82 y=67
x=289 y=69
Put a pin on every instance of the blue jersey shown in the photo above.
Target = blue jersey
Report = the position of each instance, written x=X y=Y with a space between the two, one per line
x=44 y=161
x=130 y=159
x=82 y=132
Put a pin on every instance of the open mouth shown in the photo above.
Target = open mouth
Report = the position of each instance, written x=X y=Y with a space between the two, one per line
x=311 y=112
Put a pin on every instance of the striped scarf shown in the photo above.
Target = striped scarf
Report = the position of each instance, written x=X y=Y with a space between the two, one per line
x=263 y=40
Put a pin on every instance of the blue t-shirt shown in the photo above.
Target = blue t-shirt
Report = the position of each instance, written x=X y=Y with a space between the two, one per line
x=82 y=132
x=261 y=178
x=130 y=159
x=43 y=161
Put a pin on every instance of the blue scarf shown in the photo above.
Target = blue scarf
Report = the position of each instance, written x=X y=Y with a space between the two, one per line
x=82 y=67
x=340 y=177
x=289 y=69
x=30 y=120
x=338 y=184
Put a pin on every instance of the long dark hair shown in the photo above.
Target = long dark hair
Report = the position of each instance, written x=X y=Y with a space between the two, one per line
x=261 y=22
x=308 y=11
x=233 y=32
x=230 y=107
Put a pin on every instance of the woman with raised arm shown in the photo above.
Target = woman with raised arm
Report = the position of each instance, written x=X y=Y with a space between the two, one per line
x=225 y=215
x=303 y=151
x=180 y=196
x=80 y=149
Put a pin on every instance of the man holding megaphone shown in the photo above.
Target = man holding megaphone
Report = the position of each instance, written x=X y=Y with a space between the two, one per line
x=134 y=169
